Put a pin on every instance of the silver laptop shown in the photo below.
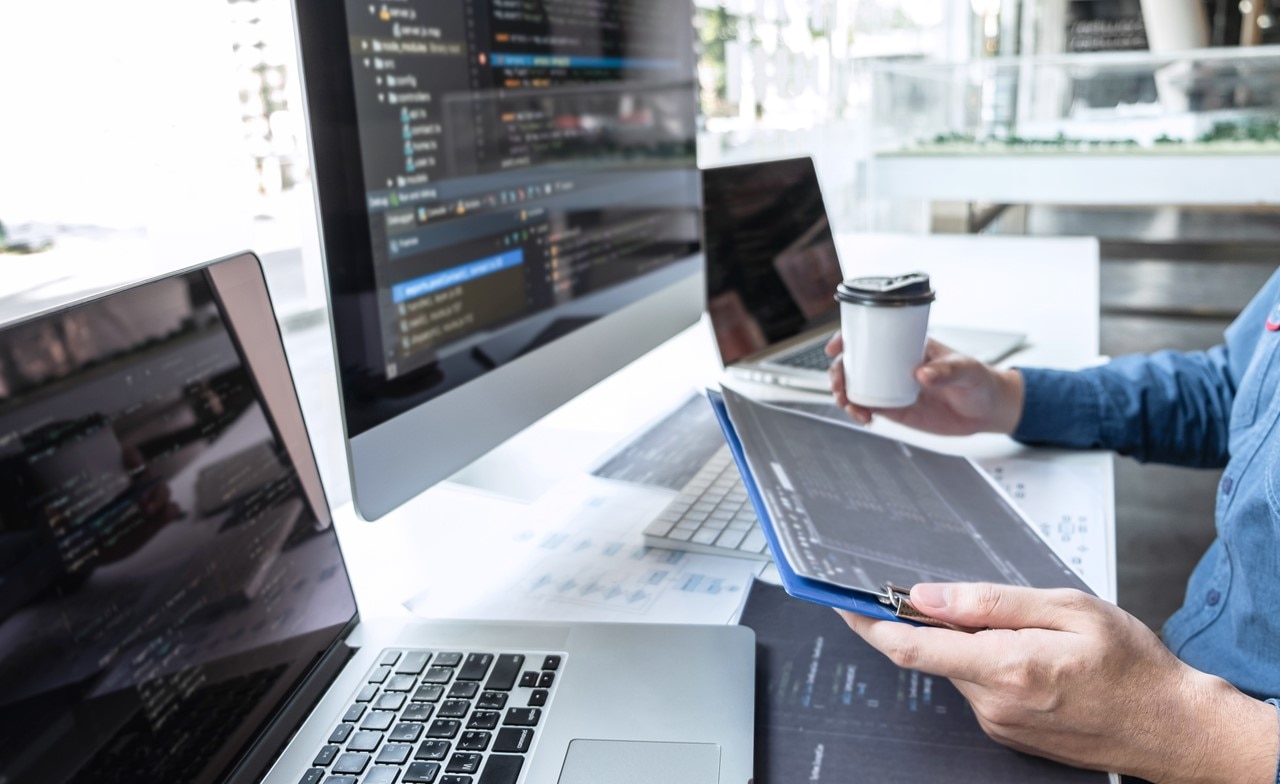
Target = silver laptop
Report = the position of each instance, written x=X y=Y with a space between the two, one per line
x=176 y=607
x=772 y=272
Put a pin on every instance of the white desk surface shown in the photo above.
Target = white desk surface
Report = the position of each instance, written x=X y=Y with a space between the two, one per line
x=1047 y=288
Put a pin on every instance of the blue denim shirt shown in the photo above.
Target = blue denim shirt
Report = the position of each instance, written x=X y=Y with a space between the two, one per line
x=1218 y=408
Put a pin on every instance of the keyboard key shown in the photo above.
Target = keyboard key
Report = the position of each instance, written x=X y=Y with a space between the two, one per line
x=492 y=700
x=438 y=674
x=327 y=754
x=505 y=671
x=367 y=693
x=380 y=675
x=313 y=776
x=551 y=663
x=394 y=754
x=529 y=680
x=659 y=527
x=390 y=658
x=432 y=750
x=351 y=763
x=517 y=739
x=546 y=679
x=378 y=720
x=475 y=667
x=444 y=728
x=523 y=717
x=417 y=711
x=681 y=534
x=422 y=772
x=501 y=769
x=484 y=720
x=340 y=780
x=730 y=539
x=474 y=740
x=340 y=733
x=406 y=733
x=454 y=709
x=450 y=659
x=391 y=702
x=400 y=683
x=353 y=714
x=464 y=690
x=428 y=693
x=413 y=663
x=464 y=762
x=365 y=741
x=382 y=775
x=537 y=698
x=455 y=779
x=754 y=542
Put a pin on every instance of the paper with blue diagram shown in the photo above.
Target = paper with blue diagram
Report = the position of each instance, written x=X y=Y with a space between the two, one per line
x=854 y=519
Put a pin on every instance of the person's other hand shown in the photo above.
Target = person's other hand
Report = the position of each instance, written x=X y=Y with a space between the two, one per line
x=1065 y=675
x=959 y=395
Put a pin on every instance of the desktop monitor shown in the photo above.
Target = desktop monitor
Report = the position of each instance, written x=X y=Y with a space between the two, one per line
x=510 y=209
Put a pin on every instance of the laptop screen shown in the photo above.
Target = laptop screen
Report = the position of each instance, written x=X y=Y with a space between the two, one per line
x=772 y=268
x=169 y=569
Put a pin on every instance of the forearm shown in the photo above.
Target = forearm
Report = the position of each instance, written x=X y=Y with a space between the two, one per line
x=1217 y=735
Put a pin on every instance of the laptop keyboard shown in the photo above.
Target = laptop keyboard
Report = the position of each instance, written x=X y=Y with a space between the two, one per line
x=712 y=514
x=443 y=717
x=813 y=357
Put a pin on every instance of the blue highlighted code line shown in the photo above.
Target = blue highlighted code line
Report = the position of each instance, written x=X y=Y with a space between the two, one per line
x=575 y=61
x=455 y=276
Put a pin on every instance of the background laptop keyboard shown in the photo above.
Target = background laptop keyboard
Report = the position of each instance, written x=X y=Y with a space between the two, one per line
x=712 y=514
x=811 y=357
x=440 y=717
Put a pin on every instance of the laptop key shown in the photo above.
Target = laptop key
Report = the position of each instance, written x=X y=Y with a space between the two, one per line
x=400 y=683
x=754 y=542
x=438 y=674
x=381 y=774
x=464 y=762
x=417 y=711
x=474 y=740
x=313 y=776
x=351 y=763
x=455 y=779
x=390 y=658
x=551 y=663
x=513 y=739
x=428 y=693
x=464 y=690
x=380 y=674
x=492 y=700
x=394 y=754
x=475 y=667
x=353 y=714
x=406 y=733
x=450 y=659
x=432 y=750
x=422 y=772
x=505 y=672
x=529 y=680
x=391 y=702
x=484 y=720
x=340 y=780
x=365 y=741
x=444 y=728
x=367 y=693
x=327 y=754
x=454 y=709
x=341 y=733
x=546 y=679
x=537 y=698
x=501 y=769
x=378 y=720
x=523 y=717
x=413 y=662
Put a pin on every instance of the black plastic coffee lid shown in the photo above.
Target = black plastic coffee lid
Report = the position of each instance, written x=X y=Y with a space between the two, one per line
x=899 y=292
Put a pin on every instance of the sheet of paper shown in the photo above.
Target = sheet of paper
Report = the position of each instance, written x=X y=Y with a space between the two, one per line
x=579 y=556
x=1071 y=500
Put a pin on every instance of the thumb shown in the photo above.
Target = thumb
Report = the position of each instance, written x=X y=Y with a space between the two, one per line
x=990 y=606
x=942 y=372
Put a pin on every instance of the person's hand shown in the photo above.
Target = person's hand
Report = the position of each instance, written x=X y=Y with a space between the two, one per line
x=959 y=395
x=1065 y=675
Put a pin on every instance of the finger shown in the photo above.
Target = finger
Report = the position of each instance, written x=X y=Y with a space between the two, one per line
x=858 y=414
x=944 y=652
x=990 y=606
x=933 y=350
x=944 y=372
x=835 y=345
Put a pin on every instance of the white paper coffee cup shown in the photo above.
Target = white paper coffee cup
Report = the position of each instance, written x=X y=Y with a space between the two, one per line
x=885 y=323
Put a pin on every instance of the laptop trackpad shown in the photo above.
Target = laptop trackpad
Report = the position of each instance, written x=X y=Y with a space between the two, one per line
x=640 y=762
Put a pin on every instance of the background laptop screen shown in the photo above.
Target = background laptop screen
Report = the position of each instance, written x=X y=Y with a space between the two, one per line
x=772 y=268
x=165 y=581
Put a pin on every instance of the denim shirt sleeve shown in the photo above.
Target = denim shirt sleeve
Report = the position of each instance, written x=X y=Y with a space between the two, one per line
x=1167 y=407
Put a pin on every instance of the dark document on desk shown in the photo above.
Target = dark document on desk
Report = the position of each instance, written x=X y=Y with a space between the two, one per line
x=830 y=708
x=847 y=511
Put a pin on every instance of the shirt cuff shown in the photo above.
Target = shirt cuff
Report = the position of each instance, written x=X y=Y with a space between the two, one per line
x=1059 y=408
x=1276 y=703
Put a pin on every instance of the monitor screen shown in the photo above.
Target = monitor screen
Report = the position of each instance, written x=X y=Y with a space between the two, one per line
x=772 y=268
x=169 y=569
x=494 y=177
